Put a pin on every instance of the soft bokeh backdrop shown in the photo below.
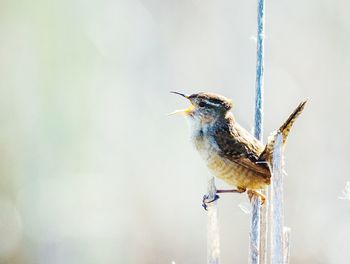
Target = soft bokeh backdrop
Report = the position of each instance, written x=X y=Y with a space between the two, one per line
x=93 y=171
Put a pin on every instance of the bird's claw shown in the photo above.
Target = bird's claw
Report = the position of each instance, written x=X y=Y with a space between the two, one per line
x=252 y=193
x=206 y=200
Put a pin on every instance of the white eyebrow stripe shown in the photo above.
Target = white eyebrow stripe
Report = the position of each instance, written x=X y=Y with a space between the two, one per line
x=211 y=103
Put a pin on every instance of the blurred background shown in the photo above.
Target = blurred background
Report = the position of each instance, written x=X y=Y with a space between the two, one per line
x=92 y=169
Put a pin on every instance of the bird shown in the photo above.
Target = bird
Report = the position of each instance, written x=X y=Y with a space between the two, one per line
x=230 y=152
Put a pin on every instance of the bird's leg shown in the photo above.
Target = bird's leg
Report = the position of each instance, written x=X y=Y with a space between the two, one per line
x=238 y=190
x=251 y=193
x=206 y=200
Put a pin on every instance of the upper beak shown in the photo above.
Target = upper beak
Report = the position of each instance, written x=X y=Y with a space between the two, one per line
x=186 y=111
x=184 y=95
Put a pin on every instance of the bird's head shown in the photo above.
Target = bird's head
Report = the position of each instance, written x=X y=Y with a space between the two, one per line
x=205 y=107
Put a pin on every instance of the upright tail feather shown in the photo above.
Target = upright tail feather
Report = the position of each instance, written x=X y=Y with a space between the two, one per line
x=284 y=129
x=287 y=125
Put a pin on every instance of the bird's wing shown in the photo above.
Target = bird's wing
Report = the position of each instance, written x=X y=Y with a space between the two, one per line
x=239 y=146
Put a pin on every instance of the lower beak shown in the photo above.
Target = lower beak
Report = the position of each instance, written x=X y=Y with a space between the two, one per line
x=186 y=111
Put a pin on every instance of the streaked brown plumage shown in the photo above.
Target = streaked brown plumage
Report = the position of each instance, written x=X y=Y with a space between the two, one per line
x=231 y=152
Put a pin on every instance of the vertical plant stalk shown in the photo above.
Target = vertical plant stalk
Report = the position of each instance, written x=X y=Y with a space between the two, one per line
x=254 y=234
x=258 y=227
x=213 y=238
x=264 y=228
x=286 y=243
x=277 y=217
x=259 y=81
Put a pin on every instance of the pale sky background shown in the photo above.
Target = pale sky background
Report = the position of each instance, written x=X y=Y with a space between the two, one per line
x=92 y=169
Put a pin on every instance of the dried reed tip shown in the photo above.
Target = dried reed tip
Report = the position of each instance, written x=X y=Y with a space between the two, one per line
x=346 y=192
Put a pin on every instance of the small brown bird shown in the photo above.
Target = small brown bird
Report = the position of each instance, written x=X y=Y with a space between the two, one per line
x=231 y=152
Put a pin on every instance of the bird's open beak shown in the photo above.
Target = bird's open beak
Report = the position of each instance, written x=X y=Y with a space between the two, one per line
x=186 y=111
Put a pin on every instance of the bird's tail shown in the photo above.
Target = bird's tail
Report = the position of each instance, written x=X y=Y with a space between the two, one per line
x=287 y=125
x=284 y=130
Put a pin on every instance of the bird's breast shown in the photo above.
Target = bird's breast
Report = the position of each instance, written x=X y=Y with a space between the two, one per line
x=231 y=172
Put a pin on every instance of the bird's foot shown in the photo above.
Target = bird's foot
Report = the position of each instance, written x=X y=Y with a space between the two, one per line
x=207 y=200
x=252 y=193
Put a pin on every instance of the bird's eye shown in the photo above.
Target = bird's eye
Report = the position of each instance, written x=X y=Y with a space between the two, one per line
x=202 y=104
